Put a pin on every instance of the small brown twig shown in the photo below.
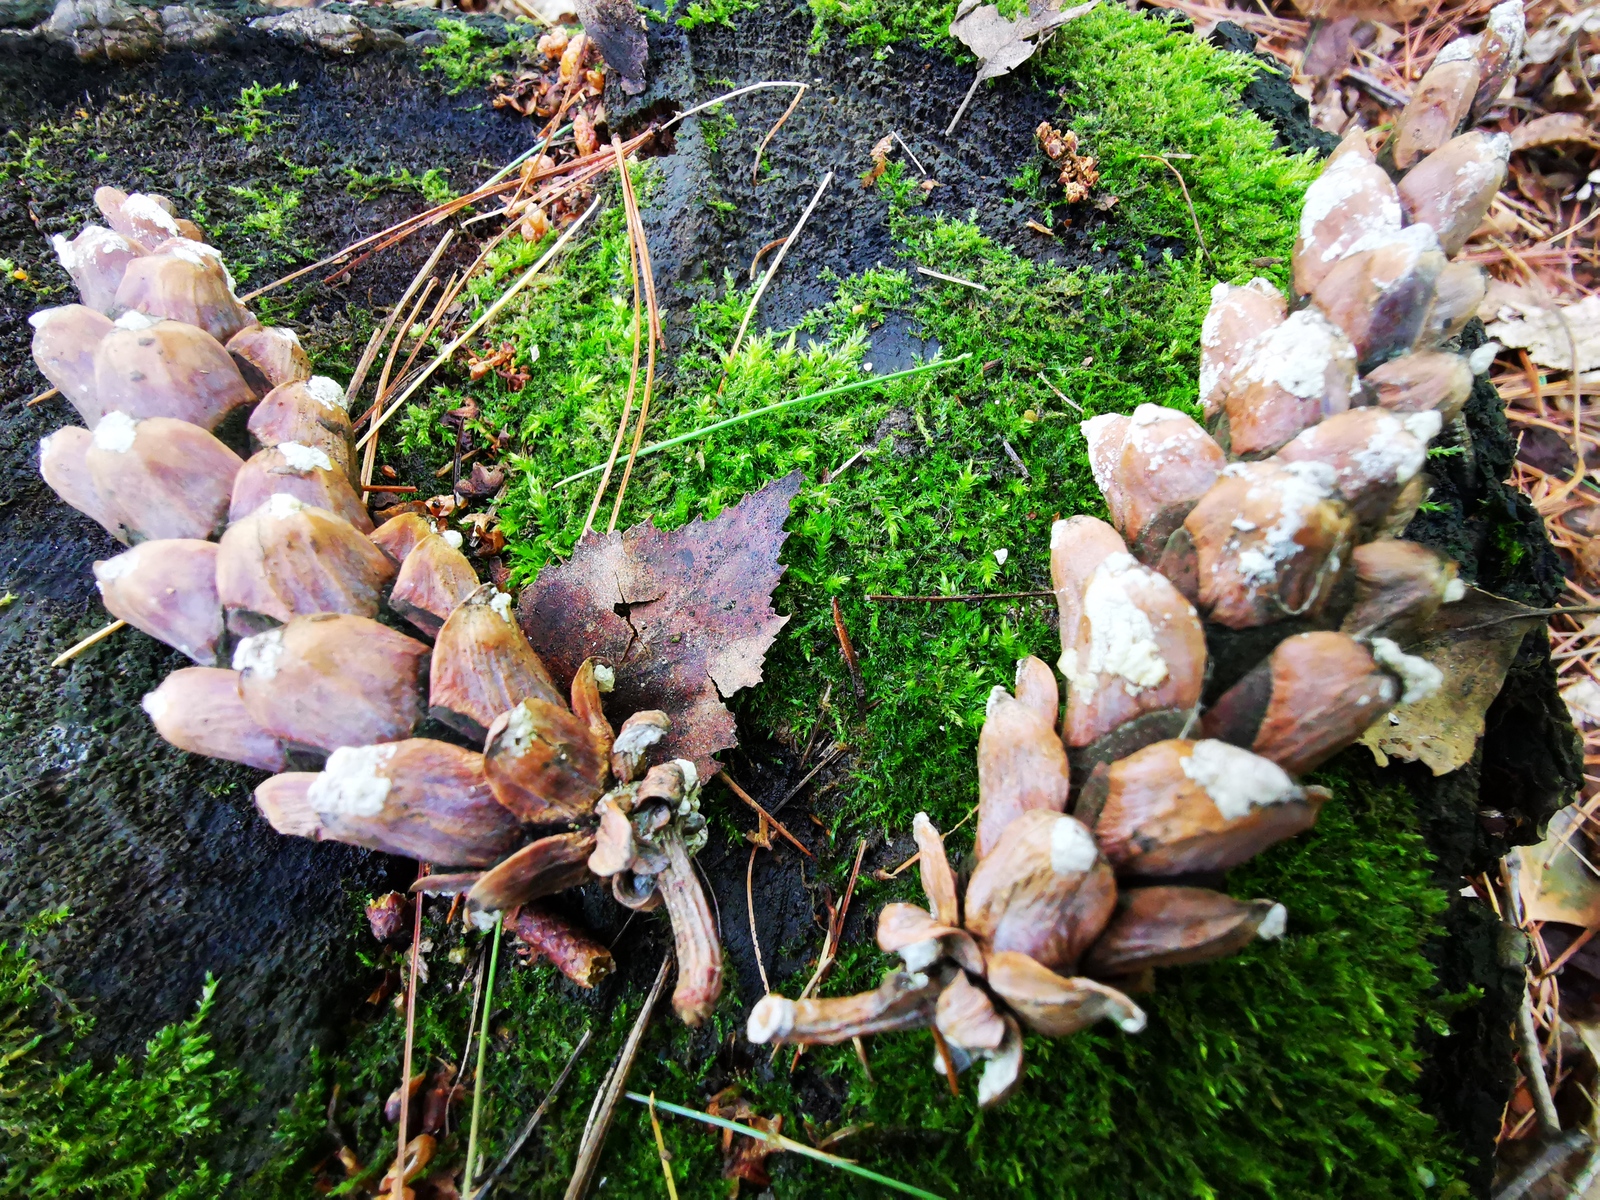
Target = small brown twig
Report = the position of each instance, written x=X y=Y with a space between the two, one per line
x=849 y=652
x=963 y=598
x=830 y=943
x=755 y=263
x=944 y=1057
x=811 y=738
x=1193 y=216
x=883 y=876
x=42 y=397
x=1062 y=396
x=764 y=814
x=755 y=167
x=389 y=487
x=606 y=1100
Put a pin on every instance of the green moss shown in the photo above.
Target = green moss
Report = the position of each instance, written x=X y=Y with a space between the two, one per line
x=251 y=117
x=1287 y=1072
x=430 y=185
x=73 y=1129
x=714 y=12
x=466 y=57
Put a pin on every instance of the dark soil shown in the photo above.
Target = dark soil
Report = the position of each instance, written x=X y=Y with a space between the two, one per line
x=166 y=869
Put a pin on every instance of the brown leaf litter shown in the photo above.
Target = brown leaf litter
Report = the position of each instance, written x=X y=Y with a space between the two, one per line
x=685 y=617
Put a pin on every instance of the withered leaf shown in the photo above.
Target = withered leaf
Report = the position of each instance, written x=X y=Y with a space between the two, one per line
x=1001 y=45
x=684 y=617
x=1472 y=642
x=617 y=29
x=746 y=1157
x=1554 y=883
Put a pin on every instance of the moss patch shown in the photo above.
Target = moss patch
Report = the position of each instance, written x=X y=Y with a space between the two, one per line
x=1286 y=1072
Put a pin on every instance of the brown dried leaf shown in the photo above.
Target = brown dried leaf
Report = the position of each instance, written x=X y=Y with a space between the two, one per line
x=1001 y=45
x=1555 y=129
x=696 y=615
x=1472 y=642
x=1554 y=882
x=746 y=1157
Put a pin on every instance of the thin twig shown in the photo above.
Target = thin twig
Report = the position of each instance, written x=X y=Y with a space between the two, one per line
x=963 y=598
x=42 y=397
x=648 y=281
x=849 y=651
x=489 y=314
x=94 y=639
x=838 y=749
x=1062 y=396
x=1190 y=203
x=538 y=1115
x=638 y=329
x=765 y=815
x=755 y=167
x=410 y=1041
x=605 y=1108
x=883 y=876
x=726 y=96
x=810 y=398
x=966 y=283
x=921 y=170
x=1533 y=1069
x=816 y=726
x=965 y=100
x=943 y=1048
x=483 y=1047
x=777 y=261
x=830 y=942
x=750 y=907
x=370 y=456
x=778 y=1142
x=755 y=263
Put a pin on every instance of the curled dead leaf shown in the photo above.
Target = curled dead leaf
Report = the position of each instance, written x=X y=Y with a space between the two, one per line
x=685 y=616
x=1471 y=643
x=1001 y=45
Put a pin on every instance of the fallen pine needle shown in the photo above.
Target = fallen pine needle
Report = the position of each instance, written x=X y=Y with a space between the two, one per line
x=489 y=314
x=661 y=1149
x=726 y=96
x=825 y=394
x=838 y=749
x=943 y=1048
x=778 y=1142
x=638 y=329
x=606 y=1100
x=483 y=1046
x=538 y=1115
x=755 y=939
x=777 y=261
x=830 y=944
x=765 y=815
x=93 y=639
x=42 y=397
x=963 y=598
x=647 y=279
x=1187 y=202
x=847 y=648
x=966 y=283
x=410 y=1041
x=755 y=167
x=884 y=876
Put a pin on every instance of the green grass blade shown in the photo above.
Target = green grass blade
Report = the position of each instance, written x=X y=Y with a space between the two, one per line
x=789 y=1144
x=695 y=435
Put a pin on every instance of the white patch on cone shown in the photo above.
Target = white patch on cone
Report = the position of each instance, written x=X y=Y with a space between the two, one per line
x=1455 y=590
x=135 y=321
x=451 y=539
x=146 y=208
x=1072 y=848
x=1236 y=780
x=1274 y=924
x=304 y=458
x=637 y=737
x=772 y=1017
x=259 y=654
x=1420 y=677
x=281 y=506
x=155 y=705
x=500 y=602
x=351 y=784
x=327 y=392
x=112 y=569
x=1122 y=641
x=115 y=433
